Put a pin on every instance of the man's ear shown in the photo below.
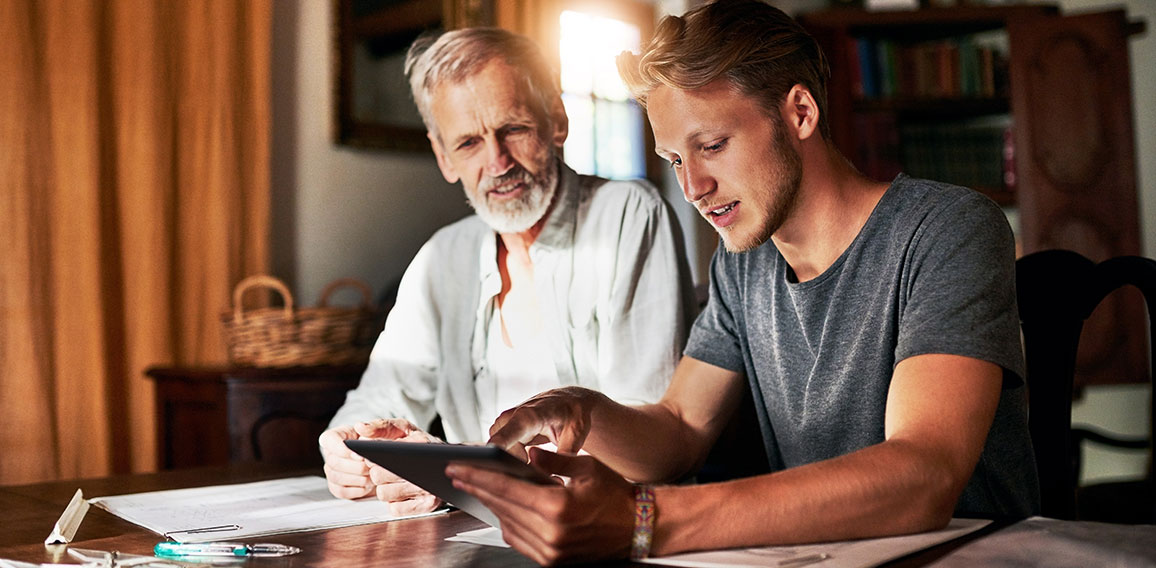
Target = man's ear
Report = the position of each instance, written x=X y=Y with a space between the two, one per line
x=561 y=122
x=801 y=112
x=444 y=164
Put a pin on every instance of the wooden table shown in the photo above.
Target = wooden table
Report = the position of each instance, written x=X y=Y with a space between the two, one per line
x=28 y=512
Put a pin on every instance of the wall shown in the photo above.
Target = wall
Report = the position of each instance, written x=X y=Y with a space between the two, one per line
x=339 y=211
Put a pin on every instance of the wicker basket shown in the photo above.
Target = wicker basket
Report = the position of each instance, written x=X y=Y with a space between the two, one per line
x=287 y=337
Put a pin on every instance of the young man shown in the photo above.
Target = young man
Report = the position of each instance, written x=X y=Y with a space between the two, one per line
x=874 y=323
x=559 y=279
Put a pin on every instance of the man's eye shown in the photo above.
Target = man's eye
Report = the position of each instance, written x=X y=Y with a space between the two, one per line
x=716 y=146
x=675 y=162
x=467 y=144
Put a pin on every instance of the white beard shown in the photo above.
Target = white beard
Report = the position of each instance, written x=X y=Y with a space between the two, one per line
x=517 y=215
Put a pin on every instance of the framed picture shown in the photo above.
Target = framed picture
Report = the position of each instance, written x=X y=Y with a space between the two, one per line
x=373 y=107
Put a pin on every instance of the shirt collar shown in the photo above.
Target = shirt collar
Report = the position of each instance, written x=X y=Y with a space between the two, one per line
x=557 y=234
x=559 y=230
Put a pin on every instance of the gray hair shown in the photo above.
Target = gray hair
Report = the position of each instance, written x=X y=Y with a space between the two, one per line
x=457 y=55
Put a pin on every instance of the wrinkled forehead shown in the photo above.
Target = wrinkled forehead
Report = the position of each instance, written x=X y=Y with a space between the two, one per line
x=493 y=96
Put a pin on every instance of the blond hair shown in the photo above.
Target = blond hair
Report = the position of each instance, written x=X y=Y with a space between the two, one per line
x=756 y=47
x=457 y=55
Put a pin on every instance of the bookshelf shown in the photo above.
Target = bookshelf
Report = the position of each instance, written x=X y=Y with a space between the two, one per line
x=925 y=91
x=1030 y=106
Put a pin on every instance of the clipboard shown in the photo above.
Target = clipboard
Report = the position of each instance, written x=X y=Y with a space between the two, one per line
x=424 y=465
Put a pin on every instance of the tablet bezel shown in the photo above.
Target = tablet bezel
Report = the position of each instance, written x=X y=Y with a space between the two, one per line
x=424 y=465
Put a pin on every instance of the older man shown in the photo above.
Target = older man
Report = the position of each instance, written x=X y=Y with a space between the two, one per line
x=560 y=279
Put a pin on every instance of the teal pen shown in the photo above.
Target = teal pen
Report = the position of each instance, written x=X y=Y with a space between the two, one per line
x=234 y=549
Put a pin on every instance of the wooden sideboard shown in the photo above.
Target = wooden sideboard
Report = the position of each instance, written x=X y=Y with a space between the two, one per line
x=220 y=415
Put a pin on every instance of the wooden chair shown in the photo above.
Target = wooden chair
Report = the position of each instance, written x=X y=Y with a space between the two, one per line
x=1057 y=291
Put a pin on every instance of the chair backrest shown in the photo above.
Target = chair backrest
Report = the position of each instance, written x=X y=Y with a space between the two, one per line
x=1057 y=290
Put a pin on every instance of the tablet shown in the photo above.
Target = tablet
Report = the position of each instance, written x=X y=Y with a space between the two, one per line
x=424 y=465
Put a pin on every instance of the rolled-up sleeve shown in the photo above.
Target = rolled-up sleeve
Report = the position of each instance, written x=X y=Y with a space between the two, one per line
x=644 y=311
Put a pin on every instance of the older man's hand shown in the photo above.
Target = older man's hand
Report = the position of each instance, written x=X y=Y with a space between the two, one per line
x=351 y=476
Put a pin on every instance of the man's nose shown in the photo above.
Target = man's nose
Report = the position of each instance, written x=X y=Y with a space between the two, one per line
x=498 y=159
x=696 y=182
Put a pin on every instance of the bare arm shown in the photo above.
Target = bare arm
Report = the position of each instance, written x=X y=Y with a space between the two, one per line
x=679 y=429
x=939 y=410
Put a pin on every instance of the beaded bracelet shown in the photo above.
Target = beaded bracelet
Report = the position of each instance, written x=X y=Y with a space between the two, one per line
x=644 y=514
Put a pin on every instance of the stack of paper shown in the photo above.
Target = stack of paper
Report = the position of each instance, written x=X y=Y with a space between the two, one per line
x=227 y=512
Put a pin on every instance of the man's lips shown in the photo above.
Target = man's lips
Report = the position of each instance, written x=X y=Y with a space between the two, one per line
x=505 y=190
x=718 y=211
x=722 y=215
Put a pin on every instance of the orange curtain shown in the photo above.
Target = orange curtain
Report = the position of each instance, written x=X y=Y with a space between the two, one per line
x=134 y=169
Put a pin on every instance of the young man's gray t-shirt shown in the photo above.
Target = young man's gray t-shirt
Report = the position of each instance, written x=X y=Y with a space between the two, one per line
x=932 y=271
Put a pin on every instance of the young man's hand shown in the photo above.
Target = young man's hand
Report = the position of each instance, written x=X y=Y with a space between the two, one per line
x=589 y=518
x=560 y=416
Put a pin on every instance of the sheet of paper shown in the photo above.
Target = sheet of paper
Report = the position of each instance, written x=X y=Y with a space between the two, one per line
x=845 y=554
x=1040 y=541
x=227 y=512
x=489 y=536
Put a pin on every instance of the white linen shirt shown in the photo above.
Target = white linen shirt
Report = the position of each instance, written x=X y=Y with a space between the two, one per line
x=613 y=286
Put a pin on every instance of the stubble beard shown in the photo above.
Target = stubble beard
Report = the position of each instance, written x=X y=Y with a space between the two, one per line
x=782 y=195
x=520 y=214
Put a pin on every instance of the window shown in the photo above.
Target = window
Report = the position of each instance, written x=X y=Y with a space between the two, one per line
x=606 y=125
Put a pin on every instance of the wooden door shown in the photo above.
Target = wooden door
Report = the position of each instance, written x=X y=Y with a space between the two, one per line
x=1075 y=164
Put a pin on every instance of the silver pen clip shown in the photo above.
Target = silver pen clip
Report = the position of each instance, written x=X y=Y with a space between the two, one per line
x=218 y=528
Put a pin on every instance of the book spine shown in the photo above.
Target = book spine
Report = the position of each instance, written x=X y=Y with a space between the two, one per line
x=868 y=67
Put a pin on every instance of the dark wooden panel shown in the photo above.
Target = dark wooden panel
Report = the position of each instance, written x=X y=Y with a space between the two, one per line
x=279 y=419
x=916 y=25
x=218 y=415
x=1075 y=161
x=190 y=420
